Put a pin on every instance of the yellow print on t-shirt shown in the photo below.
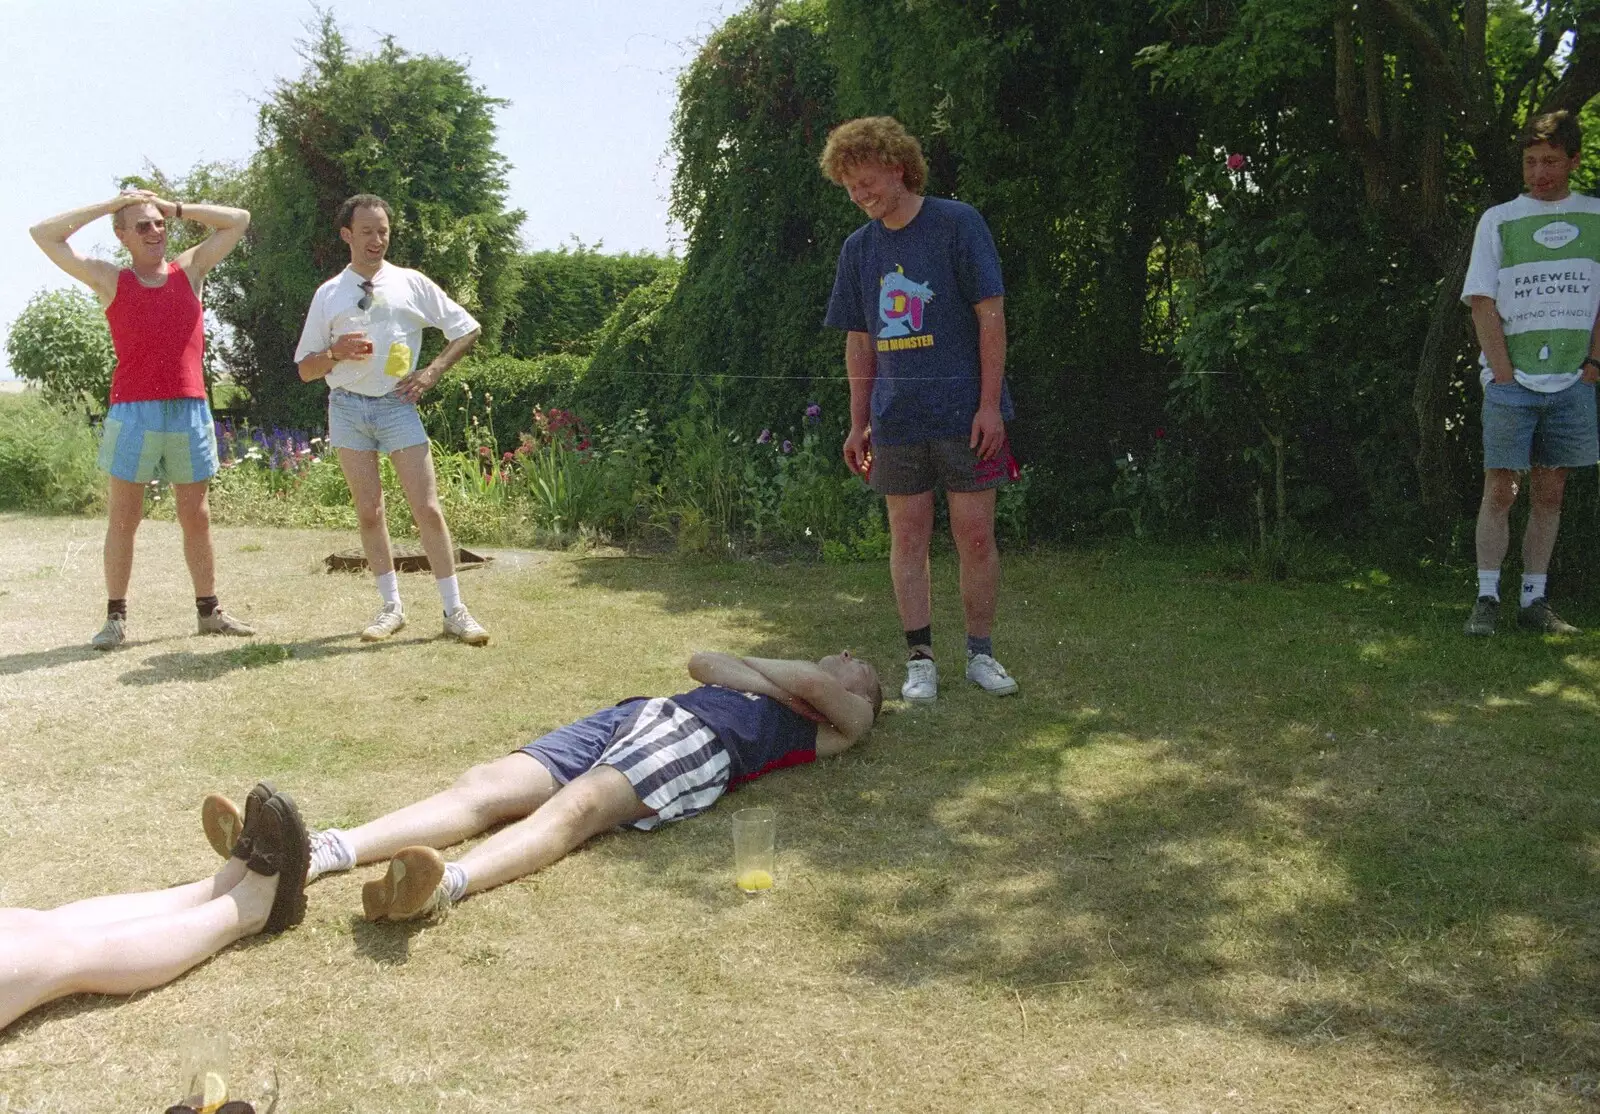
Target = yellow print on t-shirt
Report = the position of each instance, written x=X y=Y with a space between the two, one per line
x=897 y=344
x=399 y=361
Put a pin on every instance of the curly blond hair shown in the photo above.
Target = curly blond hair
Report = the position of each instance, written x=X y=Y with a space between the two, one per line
x=874 y=139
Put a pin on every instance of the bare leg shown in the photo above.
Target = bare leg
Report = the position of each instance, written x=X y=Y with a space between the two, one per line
x=194 y=515
x=97 y=911
x=414 y=467
x=1545 y=492
x=366 y=491
x=588 y=805
x=124 y=510
x=127 y=956
x=910 y=533
x=1494 y=516
x=488 y=794
x=972 y=526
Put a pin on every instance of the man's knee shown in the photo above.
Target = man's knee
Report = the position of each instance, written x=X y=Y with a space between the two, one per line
x=507 y=787
x=369 y=513
x=1499 y=490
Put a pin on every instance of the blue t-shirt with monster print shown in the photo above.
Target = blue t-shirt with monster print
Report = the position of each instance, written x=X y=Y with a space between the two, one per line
x=912 y=291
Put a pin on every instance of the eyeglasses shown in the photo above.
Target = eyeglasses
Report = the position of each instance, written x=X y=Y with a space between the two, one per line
x=157 y=224
x=233 y=1106
x=365 y=301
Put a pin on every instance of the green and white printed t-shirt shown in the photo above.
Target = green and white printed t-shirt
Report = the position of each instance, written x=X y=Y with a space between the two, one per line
x=1540 y=262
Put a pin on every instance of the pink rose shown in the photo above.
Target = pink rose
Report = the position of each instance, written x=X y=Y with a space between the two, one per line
x=1236 y=161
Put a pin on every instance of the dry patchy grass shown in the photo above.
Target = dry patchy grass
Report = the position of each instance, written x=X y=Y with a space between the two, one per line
x=1235 y=847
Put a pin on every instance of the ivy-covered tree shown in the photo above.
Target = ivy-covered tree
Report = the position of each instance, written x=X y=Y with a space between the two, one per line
x=414 y=129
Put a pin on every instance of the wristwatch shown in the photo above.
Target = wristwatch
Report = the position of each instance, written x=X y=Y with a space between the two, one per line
x=1587 y=360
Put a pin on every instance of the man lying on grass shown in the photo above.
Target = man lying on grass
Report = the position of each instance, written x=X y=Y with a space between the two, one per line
x=640 y=763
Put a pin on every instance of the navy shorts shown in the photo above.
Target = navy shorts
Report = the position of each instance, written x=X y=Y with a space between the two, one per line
x=675 y=763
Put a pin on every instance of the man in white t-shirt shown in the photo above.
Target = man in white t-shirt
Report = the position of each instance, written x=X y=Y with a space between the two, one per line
x=362 y=334
x=1534 y=289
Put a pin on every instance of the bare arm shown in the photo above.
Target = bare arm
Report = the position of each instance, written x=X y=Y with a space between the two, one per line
x=861 y=365
x=349 y=346
x=51 y=236
x=988 y=428
x=848 y=715
x=228 y=226
x=413 y=386
x=1492 y=338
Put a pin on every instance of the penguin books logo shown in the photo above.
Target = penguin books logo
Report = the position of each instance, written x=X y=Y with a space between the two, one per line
x=1556 y=235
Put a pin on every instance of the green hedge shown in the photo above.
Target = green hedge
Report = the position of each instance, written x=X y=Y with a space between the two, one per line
x=566 y=296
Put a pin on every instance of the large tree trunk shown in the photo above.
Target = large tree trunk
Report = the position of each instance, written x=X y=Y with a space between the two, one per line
x=1438 y=488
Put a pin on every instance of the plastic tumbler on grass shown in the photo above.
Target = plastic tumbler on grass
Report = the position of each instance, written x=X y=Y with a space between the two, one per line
x=754 y=844
x=203 y=1062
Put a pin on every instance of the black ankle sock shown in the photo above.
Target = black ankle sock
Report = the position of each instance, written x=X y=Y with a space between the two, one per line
x=920 y=642
x=976 y=645
x=205 y=605
x=117 y=609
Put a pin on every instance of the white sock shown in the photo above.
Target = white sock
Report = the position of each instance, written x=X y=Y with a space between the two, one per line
x=455 y=881
x=1533 y=586
x=449 y=592
x=330 y=852
x=389 y=587
x=1489 y=584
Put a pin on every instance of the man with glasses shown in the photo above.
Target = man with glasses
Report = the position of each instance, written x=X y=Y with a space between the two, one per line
x=362 y=335
x=159 y=424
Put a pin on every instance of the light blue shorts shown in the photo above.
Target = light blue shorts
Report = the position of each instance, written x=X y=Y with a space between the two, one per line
x=367 y=423
x=171 y=440
x=1523 y=428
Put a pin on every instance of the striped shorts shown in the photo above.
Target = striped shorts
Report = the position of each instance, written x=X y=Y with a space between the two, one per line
x=675 y=763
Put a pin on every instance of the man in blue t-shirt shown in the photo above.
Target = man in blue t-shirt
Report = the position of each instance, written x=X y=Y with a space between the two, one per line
x=918 y=291
x=641 y=763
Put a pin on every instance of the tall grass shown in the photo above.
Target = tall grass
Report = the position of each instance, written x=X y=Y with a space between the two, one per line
x=47 y=458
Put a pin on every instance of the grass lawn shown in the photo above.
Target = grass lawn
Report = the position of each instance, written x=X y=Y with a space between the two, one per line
x=1236 y=846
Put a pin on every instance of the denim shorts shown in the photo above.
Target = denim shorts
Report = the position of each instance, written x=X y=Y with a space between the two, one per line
x=1523 y=428
x=368 y=423
x=948 y=462
x=171 y=439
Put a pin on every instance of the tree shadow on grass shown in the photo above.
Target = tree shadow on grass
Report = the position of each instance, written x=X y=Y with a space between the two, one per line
x=1318 y=815
x=185 y=665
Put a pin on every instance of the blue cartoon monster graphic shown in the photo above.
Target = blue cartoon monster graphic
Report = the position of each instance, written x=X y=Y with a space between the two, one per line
x=900 y=304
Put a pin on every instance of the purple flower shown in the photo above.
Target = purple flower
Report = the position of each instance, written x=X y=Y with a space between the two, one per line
x=1236 y=161
x=813 y=413
x=766 y=435
x=788 y=447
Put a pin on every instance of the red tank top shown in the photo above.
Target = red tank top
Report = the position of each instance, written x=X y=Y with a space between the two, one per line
x=159 y=335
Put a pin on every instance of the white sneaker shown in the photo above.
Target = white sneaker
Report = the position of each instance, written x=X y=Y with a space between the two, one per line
x=990 y=675
x=922 y=681
x=460 y=625
x=391 y=620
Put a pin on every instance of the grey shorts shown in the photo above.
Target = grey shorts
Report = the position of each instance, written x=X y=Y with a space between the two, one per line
x=947 y=462
x=1523 y=428
x=368 y=423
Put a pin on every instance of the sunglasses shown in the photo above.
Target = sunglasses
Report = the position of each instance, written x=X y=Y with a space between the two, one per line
x=233 y=1106
x=365 y=302
x=144 y=226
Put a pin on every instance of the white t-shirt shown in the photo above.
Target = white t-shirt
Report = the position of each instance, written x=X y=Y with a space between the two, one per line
x=1540 y=262
x=403 y=302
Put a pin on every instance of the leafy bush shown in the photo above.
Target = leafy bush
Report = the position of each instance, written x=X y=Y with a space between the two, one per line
x=498 y=394
x=60 y=341
x=47 y=458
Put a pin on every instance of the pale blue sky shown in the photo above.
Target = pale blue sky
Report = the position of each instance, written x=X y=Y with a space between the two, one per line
x=93 y=90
